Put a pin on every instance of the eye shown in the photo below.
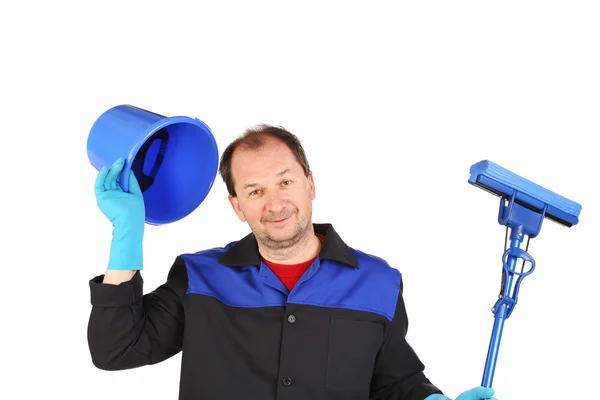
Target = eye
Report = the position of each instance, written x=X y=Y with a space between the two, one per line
x=254 y=192
x=287 y=182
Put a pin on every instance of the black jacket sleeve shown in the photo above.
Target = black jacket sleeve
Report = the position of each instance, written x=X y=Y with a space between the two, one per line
x=398 y=373
x=127 y=329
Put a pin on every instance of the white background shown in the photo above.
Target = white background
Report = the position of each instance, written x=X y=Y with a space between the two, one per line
x=393 y=101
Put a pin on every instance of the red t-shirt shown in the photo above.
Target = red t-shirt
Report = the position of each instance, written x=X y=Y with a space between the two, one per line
x=289 y=274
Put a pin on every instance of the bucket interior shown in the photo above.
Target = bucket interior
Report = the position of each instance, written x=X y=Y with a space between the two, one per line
x=175 y=168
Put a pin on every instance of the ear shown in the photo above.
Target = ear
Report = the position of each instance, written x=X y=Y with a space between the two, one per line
x=235 y=204
x=311 y=186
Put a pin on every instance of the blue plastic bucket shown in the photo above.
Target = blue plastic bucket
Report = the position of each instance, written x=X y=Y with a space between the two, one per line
x=175 y=159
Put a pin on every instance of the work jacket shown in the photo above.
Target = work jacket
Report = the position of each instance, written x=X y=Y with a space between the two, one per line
x=340 y=333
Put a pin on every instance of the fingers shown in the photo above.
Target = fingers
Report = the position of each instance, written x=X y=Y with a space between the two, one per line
x=108 y=178
x=113 y=174
x=99 y=184
x=478 y=393
x=484 y=393
x=134 y=186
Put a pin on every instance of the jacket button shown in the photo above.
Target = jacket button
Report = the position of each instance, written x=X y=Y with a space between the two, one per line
x=291 y=318
x=287 y=381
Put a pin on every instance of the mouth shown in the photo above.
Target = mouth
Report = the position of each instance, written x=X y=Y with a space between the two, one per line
x=279 y=221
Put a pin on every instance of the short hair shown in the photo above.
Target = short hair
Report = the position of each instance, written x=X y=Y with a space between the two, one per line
x=253 y=139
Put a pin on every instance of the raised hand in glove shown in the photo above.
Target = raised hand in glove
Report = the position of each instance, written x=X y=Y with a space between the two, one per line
x=126 y=212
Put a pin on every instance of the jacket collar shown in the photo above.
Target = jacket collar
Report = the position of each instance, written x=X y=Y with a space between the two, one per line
x=245 y=251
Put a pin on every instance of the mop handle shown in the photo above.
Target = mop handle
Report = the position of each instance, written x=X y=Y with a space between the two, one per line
x=506 y=302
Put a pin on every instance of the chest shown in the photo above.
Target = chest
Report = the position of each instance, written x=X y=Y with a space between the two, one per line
x=271 y=348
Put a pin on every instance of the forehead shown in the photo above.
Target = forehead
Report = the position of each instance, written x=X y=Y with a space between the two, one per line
x=262 y=163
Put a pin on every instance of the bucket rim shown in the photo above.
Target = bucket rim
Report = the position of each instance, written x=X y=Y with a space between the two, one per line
x=155 y=127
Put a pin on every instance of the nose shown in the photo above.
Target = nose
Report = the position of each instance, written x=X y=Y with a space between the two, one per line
x=275 y=201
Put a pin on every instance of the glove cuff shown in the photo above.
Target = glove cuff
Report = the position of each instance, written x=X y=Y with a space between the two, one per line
x=126 y=253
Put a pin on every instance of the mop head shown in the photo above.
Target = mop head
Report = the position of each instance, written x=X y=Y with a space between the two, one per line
x=503 y=183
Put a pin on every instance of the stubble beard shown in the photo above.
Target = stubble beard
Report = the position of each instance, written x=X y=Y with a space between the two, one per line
x=281 y=245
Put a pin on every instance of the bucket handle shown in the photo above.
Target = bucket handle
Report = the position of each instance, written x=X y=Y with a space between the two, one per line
x=146 y=180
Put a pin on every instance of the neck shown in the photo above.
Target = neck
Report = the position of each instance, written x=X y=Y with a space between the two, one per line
x=307 y=247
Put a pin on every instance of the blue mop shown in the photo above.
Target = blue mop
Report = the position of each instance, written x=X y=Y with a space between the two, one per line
x=523 y=207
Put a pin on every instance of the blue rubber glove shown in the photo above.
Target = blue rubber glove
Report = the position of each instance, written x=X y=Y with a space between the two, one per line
x=127 y=214
x=477 y=393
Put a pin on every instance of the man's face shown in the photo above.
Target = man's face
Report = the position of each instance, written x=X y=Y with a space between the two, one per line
x=273 y=194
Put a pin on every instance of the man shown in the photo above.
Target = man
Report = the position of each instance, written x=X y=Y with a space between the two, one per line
x=287 y=312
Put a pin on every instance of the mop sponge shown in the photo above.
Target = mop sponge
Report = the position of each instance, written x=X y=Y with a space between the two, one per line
x=503 y=183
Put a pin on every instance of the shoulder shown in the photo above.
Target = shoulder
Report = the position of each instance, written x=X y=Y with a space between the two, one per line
x=209 y=253
x=376 y=266
x=204 y=266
